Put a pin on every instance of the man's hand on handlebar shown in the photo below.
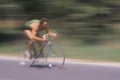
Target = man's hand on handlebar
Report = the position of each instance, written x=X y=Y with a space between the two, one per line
x=52 y=35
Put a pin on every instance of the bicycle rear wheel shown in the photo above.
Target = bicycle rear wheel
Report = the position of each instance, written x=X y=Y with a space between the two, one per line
x=22 y=58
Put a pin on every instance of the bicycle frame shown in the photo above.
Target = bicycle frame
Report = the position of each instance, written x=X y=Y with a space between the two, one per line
x=51 y=50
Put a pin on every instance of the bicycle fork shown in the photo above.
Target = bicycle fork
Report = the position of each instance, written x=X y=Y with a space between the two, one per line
x=50 y=50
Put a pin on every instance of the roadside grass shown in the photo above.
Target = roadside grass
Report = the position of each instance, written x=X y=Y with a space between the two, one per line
x=93 y=53
x=86 y=52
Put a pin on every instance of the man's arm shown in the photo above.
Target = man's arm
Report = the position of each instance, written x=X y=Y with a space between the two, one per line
x=35 y=37
x=50 y=33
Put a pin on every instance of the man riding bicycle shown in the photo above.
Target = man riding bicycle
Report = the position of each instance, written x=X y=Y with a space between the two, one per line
x=31 y=29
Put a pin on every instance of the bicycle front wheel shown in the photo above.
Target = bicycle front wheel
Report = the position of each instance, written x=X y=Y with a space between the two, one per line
x=55 y=54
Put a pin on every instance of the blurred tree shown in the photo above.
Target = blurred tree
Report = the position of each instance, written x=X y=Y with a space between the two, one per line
x=57 y=8
x=6 y=1
x=33 y=8
x=85 y=20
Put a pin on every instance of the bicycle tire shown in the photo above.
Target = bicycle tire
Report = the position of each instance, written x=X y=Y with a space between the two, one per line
x=22 y=46
x=55 y=52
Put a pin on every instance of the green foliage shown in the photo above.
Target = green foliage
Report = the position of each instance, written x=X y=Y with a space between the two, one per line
x=86 y=18
x=6 y=1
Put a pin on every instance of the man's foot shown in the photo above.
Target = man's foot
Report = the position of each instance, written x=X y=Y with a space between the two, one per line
x=27 y=54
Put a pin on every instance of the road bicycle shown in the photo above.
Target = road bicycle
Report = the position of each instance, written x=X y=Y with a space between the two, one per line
x=50 y=53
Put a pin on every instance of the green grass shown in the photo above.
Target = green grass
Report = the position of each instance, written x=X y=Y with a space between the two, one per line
x=86 y=52
x=96 y=53
x=8 y=49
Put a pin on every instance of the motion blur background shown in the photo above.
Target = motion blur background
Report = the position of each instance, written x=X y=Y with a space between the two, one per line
x=88 y=29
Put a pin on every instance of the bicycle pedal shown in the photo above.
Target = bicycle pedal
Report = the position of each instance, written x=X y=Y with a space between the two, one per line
x=35 y=59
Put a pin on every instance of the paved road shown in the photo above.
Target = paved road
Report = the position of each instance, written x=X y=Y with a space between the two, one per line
x=10 y=70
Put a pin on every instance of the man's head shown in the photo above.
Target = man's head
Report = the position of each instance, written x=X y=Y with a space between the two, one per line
x=44 y=22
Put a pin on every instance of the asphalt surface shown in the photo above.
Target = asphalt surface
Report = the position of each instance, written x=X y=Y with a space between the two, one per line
x=10 y=70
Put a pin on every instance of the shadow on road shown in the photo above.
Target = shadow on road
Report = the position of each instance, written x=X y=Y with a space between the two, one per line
x=39 y=66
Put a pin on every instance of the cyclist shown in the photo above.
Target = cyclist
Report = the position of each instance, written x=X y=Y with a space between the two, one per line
x=31 y=29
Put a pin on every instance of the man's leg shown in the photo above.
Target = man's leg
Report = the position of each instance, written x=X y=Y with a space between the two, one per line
x=28 y=33
x=30 y=43
x=28 y=50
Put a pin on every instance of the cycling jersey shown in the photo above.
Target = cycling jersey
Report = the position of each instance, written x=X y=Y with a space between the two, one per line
x=27 y=24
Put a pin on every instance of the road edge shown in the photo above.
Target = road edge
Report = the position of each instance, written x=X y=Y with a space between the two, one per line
x=72 y=61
